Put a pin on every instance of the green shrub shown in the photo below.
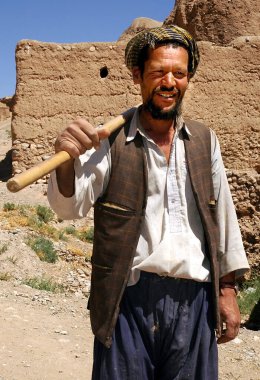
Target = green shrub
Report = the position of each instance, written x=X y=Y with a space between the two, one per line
x=9 y=206
x=42 y=283
x=70 y=230
x=44 y=249
x=249 y=296
x=34 y=222
x=62 y=236
x=87 y=235
x=45 y=214
x=25 y=210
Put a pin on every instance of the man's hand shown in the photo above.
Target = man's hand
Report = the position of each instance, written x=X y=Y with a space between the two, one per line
x=78 y=137
x=229 y=314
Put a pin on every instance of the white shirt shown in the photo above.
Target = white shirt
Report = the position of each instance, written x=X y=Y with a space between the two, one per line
x=171 y=242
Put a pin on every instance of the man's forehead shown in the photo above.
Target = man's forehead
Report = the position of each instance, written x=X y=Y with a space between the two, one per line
x=174 y=53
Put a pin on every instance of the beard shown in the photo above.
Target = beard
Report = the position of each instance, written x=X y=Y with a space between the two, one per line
x=159 y=114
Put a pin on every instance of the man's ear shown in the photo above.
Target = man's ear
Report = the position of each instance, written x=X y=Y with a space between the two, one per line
x=136 y=75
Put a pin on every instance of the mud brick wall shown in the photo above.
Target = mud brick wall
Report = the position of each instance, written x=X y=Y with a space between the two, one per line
x=245 y=189
x=57 y=83
x=4 y=112
x=224 y=94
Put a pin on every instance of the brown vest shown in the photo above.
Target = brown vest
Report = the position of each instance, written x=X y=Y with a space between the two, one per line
x=118 y=216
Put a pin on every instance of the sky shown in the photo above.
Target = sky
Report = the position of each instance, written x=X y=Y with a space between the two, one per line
x=67 y=21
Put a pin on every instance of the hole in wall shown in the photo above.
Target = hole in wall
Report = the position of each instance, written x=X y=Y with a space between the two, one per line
x=103 y=72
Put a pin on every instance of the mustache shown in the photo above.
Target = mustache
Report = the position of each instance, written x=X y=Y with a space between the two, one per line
x=173 y=90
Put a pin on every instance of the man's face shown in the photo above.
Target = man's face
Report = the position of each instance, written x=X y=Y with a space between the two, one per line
x=164 y=80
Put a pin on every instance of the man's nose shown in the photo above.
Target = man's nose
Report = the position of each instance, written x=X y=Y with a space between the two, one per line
x=168 y=80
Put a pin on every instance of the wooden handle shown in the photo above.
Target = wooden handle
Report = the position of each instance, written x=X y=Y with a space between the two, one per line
x=31 y=175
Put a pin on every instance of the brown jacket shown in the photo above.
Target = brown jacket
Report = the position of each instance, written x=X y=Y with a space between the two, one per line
x=118 y=216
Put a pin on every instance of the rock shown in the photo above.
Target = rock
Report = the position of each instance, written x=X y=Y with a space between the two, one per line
x=237 y=341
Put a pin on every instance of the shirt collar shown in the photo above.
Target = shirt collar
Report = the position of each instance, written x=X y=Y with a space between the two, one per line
x=135 y=126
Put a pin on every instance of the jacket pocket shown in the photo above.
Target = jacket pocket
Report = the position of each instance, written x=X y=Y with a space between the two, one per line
x=114 y=208
x=101 y=267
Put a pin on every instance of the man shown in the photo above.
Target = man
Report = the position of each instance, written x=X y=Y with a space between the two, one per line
x=166 y=234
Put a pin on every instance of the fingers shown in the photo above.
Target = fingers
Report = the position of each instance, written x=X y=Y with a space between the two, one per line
x=230 y=315
x=78 y=137
x=229 y=333
x=103 y=133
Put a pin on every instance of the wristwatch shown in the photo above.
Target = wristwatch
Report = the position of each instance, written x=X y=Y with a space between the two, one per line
x=230 y=285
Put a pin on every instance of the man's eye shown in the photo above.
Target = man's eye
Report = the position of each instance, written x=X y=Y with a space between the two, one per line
x=158 y=72
x=179 y=74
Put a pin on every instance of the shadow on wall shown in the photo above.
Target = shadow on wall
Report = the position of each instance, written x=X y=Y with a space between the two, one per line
x=6 y=167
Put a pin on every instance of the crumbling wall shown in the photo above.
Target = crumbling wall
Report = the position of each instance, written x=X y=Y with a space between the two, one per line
x=4 y=111
x=57 y=83
x=245 y=189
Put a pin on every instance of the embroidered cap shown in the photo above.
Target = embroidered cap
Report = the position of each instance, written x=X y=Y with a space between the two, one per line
x=152 y=37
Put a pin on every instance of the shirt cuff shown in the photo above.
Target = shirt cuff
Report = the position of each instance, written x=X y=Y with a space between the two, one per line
x=62 y=206
x=234 y=261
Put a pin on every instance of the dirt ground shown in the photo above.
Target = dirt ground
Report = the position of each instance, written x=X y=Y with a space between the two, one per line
x=47 y=336
x=43 y=336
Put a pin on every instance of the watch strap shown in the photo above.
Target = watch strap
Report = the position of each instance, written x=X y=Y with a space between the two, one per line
x=230 y=285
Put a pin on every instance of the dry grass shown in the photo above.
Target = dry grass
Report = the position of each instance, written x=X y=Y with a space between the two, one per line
x=75 y=251
x=43 y=224
x=3 y=248
x=42 y=283
x=5 y=276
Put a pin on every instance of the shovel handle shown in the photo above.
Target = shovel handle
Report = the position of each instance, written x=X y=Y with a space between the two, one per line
x=38 y=171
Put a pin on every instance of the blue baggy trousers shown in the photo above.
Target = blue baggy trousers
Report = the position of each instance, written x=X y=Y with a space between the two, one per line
x=164 y=332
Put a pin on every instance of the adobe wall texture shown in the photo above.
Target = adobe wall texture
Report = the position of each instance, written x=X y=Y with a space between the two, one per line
x=225 y=95
x=59 y=82
x=4 y=111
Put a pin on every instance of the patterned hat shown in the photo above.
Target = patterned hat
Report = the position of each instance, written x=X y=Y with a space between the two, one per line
x=153 y=36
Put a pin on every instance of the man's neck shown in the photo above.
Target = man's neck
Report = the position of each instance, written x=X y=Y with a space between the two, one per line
x=160 y=131
x=156 y=127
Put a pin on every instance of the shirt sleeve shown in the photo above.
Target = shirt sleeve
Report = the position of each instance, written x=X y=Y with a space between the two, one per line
x=231 y=252
x=92 y=171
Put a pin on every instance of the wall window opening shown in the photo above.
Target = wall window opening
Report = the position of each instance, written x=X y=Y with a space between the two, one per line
x=104 y=72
